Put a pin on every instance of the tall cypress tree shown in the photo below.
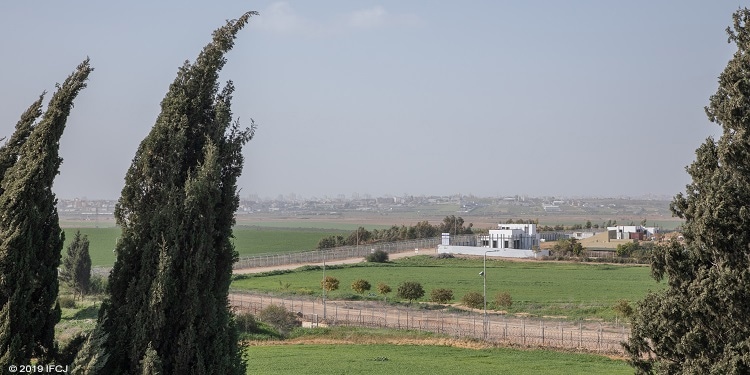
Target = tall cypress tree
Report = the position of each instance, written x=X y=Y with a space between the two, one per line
x=167 y=310
x=700 y=324
x=30 y=236
x=76 y=266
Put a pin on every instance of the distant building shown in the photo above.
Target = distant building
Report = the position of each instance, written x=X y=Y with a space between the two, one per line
x=509 y=240
x=631 y=232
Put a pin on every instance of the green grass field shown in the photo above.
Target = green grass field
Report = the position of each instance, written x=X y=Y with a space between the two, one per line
x=572 y=290
x=422 y=359
x=248 y=240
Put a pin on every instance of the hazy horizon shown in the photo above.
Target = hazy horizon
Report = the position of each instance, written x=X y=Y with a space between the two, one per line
x=420 y=98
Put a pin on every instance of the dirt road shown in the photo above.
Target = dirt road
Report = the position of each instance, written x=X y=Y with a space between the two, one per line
x=391 y=256
x=509 y=330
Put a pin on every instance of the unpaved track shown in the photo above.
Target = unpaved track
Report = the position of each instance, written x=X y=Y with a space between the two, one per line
x=508 y=330
x=391 y=256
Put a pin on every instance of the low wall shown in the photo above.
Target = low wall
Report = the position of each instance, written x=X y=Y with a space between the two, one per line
x=500 y=253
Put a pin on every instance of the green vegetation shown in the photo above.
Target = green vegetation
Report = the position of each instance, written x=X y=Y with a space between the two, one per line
x=30 y=234
x=441 y=295
x=708 y=276
x=422 y=359
x=248 y=241
x=423 y=229
x=75 y=270
x=101 y=243
x=259 y=240
x=573 y=290
x=166 y=310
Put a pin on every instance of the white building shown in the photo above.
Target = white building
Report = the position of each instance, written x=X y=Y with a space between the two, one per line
x=509 y=240
x=631 y=232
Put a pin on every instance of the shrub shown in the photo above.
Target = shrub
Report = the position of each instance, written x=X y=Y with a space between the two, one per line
x=246 y=322
x=623 y=308
x=410 y=290
x=475 y=300
x=66 y=302
x=503 y=299
x=445 y=256
x=360 y=286
x=377 y=256
x=330 y=283
x=441 y=295
x=280 y=318
x=68 y=352
x=98 y=284
x=384 y=289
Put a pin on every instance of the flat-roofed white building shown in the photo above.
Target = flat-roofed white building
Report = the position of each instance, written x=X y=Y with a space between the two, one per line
x=508 y=240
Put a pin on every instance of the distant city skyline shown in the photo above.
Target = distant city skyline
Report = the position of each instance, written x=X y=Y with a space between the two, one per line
x=493 y=99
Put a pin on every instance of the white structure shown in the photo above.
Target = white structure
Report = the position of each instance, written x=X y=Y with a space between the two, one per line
x=509 y=240
x=631 y=232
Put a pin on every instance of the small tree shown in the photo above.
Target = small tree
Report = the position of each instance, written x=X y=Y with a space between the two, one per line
x=503 y=299
x=410 y=290
x=441 y=295
x=280 y=318
x=474 y=300
x=330 y=283
x=377 y=256
x=361 y=285
x=76 y=267
x=623 y=309
x=384 y=289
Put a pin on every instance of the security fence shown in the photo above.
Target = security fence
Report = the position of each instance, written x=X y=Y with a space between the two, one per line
x=337 y=253
x=588 y=336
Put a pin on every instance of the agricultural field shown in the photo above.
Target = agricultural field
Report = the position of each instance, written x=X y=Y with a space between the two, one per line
x=249 y=240
x=422 y=359
x=560 y=289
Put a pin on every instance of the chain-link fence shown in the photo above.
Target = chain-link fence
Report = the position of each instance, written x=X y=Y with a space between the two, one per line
x=338 y=253
x=590 y=336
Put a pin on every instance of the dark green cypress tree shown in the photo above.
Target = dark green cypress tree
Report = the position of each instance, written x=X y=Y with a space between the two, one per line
x=168 y=304
x=30 y=236
x=76 y=266
x=10 y=150
x=700 y=324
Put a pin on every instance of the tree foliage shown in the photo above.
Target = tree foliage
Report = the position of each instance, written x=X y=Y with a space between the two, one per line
x=503 y=299
x=30 y=236
x=329 y=283
x=167 y=309
x=700 y=323
x=76 y=266
x=384 y=289
x=423 y=229
x=441 y=295
x=474 y=300
x=377 y=256
x=361 y=285
x=568 y=246
x=280 y=318
x=410 y=290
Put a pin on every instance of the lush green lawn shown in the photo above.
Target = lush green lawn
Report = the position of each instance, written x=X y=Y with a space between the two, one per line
x=248 y=240
x=573 y=290
x=418 y=359
x=101 y=243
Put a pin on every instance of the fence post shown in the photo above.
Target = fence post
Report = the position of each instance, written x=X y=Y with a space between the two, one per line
x=541 y=323
x=474 y=325
x=580 y=334
x=524 y=330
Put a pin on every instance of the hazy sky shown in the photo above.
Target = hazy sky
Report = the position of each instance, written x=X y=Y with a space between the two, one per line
x=490 y=98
